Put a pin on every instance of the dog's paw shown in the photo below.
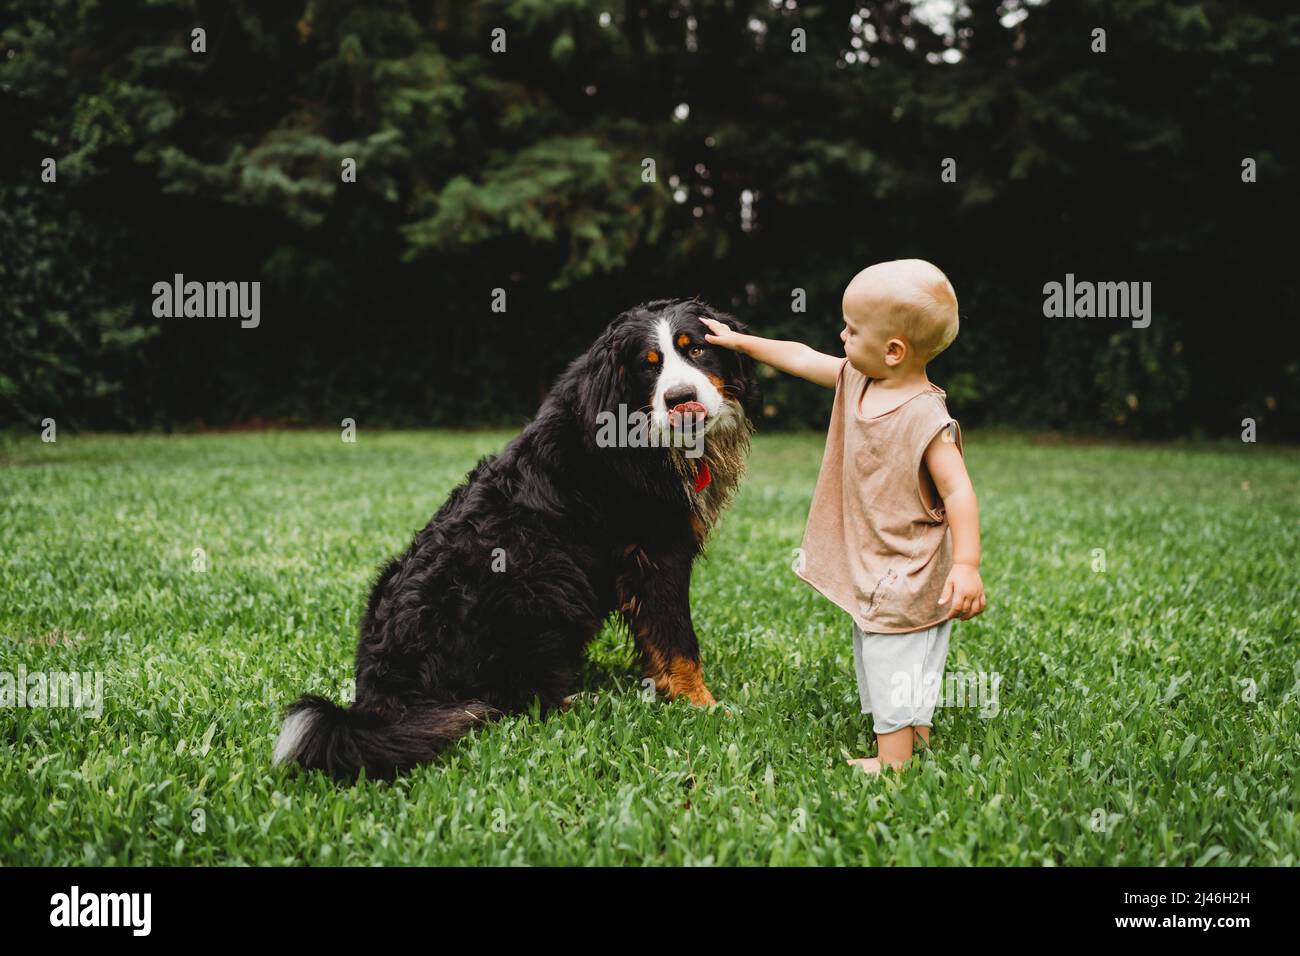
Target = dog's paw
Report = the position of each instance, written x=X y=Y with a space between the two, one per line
x=700 y=696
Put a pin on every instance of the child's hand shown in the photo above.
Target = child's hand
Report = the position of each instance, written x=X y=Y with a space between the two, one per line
x=722 y=335
x=966 y=590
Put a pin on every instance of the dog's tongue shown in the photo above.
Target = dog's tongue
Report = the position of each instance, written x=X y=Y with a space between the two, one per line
x=689 y=408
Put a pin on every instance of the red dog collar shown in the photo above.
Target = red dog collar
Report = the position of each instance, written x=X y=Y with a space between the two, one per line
x=702 y=477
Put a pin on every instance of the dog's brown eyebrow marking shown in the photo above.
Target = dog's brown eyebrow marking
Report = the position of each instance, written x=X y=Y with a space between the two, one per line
x=683 y=340
x=652 y=357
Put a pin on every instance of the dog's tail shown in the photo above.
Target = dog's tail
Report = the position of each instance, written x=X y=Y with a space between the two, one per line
x=320 y=735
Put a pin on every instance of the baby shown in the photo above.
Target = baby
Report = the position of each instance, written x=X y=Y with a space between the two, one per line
x=893 y=531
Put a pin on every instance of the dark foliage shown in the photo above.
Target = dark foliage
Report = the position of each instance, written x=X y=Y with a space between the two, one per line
x=522 y=171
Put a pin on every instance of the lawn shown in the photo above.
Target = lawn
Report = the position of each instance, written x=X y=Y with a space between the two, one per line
x=1143 y=612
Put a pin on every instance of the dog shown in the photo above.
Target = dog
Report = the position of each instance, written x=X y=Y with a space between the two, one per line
x=494 y=602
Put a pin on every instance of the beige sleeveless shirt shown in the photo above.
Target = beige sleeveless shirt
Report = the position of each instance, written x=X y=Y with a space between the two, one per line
x=877 y=542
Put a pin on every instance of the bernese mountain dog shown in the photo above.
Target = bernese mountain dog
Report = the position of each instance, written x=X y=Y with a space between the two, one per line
x=494 y=602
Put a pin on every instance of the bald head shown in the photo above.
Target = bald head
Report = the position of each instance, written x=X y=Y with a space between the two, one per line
x=909 y=298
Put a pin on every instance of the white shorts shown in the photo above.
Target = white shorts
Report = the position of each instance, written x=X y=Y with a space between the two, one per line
x=900 y=675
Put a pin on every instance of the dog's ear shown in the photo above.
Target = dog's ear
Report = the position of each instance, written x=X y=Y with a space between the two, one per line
x=741 y=369
x=602 y=381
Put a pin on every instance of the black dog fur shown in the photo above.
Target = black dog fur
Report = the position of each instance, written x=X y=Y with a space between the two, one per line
x=457 y=632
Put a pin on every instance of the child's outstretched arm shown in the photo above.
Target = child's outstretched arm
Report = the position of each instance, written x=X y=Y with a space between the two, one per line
x=793 y=357
x=948 y=469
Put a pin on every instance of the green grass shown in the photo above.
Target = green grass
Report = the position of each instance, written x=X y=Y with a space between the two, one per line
x=1127 y=731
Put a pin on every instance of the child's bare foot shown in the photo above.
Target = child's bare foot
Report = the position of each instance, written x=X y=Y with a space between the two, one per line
x=868 y=765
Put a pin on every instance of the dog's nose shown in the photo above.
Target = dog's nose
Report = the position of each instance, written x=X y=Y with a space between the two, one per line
x=676 y=396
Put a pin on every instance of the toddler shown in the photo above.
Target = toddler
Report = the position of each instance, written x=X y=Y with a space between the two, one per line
x=893 y=529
